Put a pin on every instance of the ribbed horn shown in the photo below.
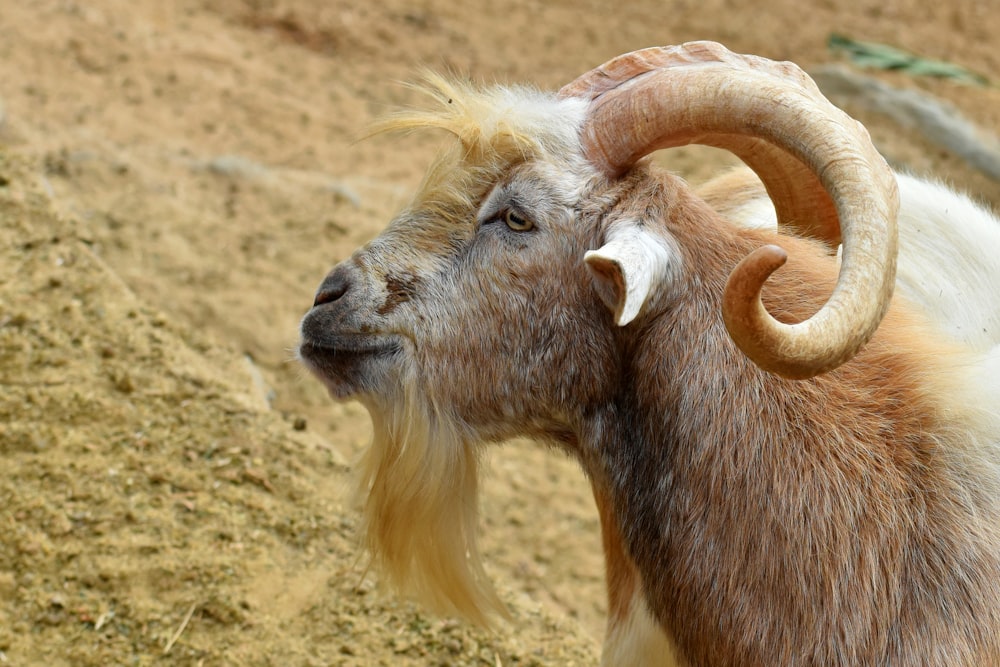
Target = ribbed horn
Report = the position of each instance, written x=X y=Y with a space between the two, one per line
x=818 y=164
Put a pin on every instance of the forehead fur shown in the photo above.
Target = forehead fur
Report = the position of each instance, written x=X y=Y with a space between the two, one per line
x=496 y=127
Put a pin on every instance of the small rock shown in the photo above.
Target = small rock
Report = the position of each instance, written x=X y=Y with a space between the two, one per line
x=342 y=193
x=8 y=584
x=124 y=383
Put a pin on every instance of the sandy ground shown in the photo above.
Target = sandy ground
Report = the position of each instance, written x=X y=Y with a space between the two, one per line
x=175 y=180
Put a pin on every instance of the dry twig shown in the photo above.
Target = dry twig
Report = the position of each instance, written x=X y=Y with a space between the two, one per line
x=177 y=635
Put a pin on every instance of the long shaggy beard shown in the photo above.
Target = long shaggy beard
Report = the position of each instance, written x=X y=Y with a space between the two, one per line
x=418 y=484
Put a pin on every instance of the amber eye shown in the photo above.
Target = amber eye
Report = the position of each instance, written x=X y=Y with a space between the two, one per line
x=516 y=222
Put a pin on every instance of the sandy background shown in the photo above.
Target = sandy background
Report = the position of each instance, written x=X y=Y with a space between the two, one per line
x=175 y=180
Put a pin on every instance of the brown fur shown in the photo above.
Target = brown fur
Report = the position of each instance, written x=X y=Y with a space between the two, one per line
x=732 y=190
x=620 y=576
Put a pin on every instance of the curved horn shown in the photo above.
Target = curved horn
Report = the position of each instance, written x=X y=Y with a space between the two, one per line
x=817 y=163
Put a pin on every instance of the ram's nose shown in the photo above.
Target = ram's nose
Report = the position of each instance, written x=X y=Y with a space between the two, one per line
x=336 y=284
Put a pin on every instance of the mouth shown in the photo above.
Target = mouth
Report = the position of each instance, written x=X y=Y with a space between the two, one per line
x=348 y=364
x=357 y=344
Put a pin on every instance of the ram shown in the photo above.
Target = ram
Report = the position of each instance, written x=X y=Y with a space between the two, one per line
x=789 y=467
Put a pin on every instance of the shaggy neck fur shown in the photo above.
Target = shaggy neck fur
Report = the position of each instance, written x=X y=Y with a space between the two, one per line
x=845 y=520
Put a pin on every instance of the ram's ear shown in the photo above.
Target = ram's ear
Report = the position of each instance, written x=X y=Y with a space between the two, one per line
x=627 y=268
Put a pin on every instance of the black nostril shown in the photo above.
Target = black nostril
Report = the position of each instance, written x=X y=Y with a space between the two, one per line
x=335 y=285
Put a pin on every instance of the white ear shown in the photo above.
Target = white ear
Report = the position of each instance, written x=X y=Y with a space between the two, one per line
x=627 y=268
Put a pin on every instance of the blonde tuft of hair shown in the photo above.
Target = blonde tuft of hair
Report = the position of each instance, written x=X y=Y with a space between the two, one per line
x=490 y=122
x=496 y=126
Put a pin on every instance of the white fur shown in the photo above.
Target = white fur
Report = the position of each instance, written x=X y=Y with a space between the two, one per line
x=638 y=640
x=949 y=257
x=949 y=261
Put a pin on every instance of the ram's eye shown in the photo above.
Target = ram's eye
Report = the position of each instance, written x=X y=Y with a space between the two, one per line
x=516 y=222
